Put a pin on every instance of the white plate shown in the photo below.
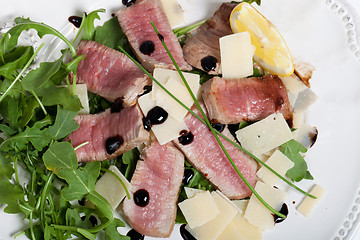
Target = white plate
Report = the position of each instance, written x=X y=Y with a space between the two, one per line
x=321 y=32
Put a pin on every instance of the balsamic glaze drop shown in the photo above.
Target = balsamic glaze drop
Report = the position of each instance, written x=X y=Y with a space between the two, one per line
x=185 y=234
x=75 y=20
x=147 y=47
x=156 y=115
x=128 y=3
x=161 y=37
x=188 y=175
x=141 y=197
x=218 y=126
x=186 y=137
x=117 y=106
x=313 y=137
x=284 y=210
x=208 y=63
x=113 y=143
x=134 y=235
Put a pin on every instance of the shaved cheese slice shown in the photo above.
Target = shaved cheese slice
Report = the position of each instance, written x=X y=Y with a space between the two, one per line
x=236 y=53
x=213 y=229
x=169 y=104
x=265 y=135
x=168 y=130
x=306 y=135
x=298 y=119
x=190 y=192
x=293 y=84
x=240 y=229
x=173 y=12
x=110 y=188
x=241 y=204
x=280 y=163
x=256 y=213
x=199 y=209
x=162 y=75
x=304 y=100
x=308 y=203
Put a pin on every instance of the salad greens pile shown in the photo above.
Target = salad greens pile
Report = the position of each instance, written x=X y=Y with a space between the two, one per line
x=39 y=171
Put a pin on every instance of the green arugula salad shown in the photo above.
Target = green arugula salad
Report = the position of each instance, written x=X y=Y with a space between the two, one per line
x=40 y=177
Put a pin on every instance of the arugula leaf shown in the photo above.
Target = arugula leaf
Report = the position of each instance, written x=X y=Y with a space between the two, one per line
x=117 y=38
x=129 y=160
x=11 y=195
x=38 y=77
x=88 y=23
x=112 y=232
x=64 y=124
x=15 y=60
x=291 y=149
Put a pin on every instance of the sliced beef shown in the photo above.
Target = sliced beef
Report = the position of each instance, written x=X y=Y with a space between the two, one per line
x=232 y=101
x=110 y=73
x=155 y=185
x=135 y=22
x=109 y=134
x=202 y=50
x=205 y=154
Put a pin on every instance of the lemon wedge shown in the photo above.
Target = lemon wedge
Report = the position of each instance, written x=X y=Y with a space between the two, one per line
x=271 y=51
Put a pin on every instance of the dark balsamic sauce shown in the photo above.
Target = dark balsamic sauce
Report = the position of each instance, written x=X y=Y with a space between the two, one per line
x=313 y=137
x=186 y=137
x=284 y=210
x=117 y=105
x=185 y=234
x=128 y=3
x=217 y=126
x=188 y=175
x=156 y=115
x=75 y=20
x=134 y=235
x=113 y=143
x=141 y=197
x=278 y=103
x=208 y=63
x=147 y=47
x=161 y=37
x=92 y=220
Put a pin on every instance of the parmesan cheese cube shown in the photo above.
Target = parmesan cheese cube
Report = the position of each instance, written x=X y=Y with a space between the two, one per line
x=236 y=54
x=293 y=84
x=256 y=213
x=304 y=100
x=265 y=135
x=168 y=130
x=169 y=104
x=278 y=162
x=306 y=135
x=190 y=192
x=199 y=209
x=110 y=188
x=240 y=229
x=173 y=12
x=162 y=75
x=307 y=205
x=213 y=229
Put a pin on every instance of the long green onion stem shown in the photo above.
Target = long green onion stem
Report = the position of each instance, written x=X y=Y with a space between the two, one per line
x=21 y=73
x=118 y=178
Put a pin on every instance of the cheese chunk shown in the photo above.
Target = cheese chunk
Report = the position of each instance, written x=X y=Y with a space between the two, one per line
x=162 y=75
x=168 y=130
x=280 y=163
x=265 y=135
x=307 y=205
x=293 y=84
x=241 y=205
x=236 y=54
x=298 y=119
x=240 y=229
x=305 y=134
x=169 y=104
x=173 y=12
x=304 y=100
x=213 y=229
x=199 y=209
x=256 y=213
x=110 y=188
x=190 y=192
